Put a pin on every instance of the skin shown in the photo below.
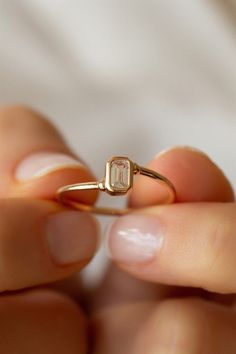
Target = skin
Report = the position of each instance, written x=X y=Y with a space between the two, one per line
x=178 y=312
x=198 y=317
x=39 y=320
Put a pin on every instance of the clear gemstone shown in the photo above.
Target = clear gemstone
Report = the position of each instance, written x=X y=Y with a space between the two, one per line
x=120 y=172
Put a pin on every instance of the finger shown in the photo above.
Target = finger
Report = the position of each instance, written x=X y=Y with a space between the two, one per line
x=188 y=244
x=41 y=322
x=42 y=242
x=186 y=326
x=195 y=176
x=119 y=287
x=34 y=158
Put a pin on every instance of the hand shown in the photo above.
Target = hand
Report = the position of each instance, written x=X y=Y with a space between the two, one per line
x=191 y=244
x=40 y=240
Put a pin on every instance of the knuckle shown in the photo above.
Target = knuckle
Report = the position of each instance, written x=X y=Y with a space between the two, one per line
x=183 y=326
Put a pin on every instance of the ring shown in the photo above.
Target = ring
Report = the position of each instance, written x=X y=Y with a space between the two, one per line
x=119 y=176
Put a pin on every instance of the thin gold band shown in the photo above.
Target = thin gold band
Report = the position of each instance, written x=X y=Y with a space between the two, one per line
x=103 y=186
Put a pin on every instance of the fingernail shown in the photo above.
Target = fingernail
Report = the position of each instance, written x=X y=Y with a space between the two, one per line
x=71 y=236
x=39 y=164
x=135 y=238
x=181 y=147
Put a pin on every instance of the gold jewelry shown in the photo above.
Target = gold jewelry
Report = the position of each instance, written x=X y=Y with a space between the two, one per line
x=118 y=180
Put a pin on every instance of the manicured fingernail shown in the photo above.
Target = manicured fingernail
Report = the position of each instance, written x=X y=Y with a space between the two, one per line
x=72 y=236
x=135 y=238
x=39 y=164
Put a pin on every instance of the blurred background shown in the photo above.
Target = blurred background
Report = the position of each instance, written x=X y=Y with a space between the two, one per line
x=125 y=77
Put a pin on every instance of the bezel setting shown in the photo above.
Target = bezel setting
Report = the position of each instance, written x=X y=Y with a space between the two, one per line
x=119 y=168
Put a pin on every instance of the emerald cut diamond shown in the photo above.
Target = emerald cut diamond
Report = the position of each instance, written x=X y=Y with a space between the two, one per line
x=118 y=175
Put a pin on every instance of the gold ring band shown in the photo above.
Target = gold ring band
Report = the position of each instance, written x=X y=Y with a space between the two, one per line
x=118 y=180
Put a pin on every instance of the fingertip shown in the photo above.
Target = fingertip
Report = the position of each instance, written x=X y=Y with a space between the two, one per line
x=195 y=176
x=42 y=173
x=35 y=159
x=134 y=238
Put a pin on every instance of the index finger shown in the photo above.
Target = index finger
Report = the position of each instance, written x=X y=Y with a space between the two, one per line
x=195 y=176
x=35 y=160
